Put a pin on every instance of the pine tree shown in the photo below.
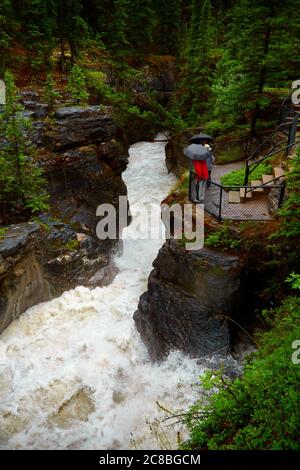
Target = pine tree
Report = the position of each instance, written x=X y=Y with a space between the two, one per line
x=140 y=25
x=37 y=29
x=77 y=86
x=72 y=29
x=22 y=183
x=50 y=94
x=168 y=14
x=117 y=31
x=6 y=17
x=257 y=53
x=194 y=86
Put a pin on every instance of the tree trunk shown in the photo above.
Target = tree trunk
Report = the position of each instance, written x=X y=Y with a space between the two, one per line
x=262 y=79
x=62 y=42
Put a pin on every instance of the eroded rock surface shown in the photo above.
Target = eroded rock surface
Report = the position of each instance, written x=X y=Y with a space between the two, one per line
x=189 y=296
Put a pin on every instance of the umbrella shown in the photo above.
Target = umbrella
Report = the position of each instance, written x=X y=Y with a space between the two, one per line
x=198 y=138
x=197 y=152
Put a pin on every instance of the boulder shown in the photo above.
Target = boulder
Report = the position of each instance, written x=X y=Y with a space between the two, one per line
x=83 y=155
x=36 y=110
x=189 y=299
x=78 y=126
x=41 y=261
x=79 y=181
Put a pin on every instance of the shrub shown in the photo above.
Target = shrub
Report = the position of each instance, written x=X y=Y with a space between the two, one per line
x=22 y=184
x=223 y=238
x=290 y=212
x=261 y=409
x=236 y=177
x=50 y=94
x=77 y=86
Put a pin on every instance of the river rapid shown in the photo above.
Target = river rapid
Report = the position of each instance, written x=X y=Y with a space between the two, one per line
x=74 y=373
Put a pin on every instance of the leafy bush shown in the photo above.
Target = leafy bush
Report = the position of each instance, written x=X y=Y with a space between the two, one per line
x=236 y=177
x=290 y=212
x=77 y=85
x=223 y=238
x=261 y=409
x=294 y=280
x=50 y=94
x=22 y=184
x=72 y=245
x=3 y=231
x=216 y=127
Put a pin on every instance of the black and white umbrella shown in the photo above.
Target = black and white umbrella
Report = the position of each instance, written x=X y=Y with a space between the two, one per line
x=197 y=152
x=198 y=138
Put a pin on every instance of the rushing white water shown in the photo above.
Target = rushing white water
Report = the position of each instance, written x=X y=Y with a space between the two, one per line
x=74 y=372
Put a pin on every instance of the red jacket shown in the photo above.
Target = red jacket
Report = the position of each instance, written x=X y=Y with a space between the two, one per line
x=201 y=170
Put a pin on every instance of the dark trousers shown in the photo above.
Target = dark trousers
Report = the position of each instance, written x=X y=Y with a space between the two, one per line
x=208 y=184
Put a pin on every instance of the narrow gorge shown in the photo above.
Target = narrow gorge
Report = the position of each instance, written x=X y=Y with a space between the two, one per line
x=74 y=371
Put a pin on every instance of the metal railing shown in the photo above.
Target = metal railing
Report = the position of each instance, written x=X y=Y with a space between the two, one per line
x=216 y=199
x=252 y=165
x=246 y=206
x=216 y=202
x=287 y=125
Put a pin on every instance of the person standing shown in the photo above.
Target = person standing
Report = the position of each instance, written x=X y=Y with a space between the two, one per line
x=210 y=161
x=201 y=176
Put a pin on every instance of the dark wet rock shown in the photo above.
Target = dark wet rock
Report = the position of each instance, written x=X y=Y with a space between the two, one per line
x=176 y=161
x=78 y=126
x=79 y=181
x=16 y=237
x=41 y=261
x=114 y=154
x=189 y=296
x=83 y=153
x=37 y=110
x=37 y=133
x=29 y=95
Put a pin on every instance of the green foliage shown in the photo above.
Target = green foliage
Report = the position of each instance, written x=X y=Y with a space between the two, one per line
x=290 y=212
x=194 y=85
x=169 y=29
x=42 y=224
x=254 y=55
x=72 y=245
x=294 y=280
x=77 y=85
x=223 y=238
x=36 y=30
x=259 y=410
x=50 y=94
x=71 y=28
x=216 y=127
x=122 y=98
x=22 y=181
x=236 y=177
x=5 y=32
x=230 y=155
x=3 y=231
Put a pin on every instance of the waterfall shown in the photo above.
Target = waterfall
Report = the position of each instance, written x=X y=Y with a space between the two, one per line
x=74 y=373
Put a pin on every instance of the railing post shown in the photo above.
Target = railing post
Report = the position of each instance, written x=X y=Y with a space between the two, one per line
x=281 y=194
x=246 y=174
x=246 y=148
x=220 y=204
x=289 y=140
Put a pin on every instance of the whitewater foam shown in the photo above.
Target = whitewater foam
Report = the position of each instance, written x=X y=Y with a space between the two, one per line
x=74 y=372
